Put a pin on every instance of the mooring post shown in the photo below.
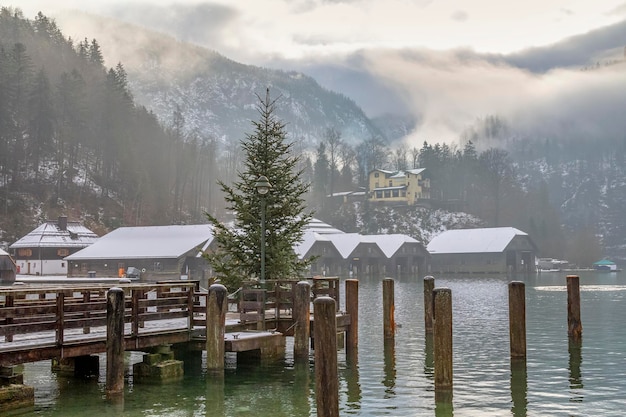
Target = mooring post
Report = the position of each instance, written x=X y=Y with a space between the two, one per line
x=216 y=306
x=326 y=380
x=443 y=339
x=517 y=319
x=352 y=309
x=389 y=325
x=115 y=343
x=302 y=321
x=429 y=286
x=574 y=325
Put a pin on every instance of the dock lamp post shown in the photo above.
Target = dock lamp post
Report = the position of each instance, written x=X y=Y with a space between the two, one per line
x=262 y=187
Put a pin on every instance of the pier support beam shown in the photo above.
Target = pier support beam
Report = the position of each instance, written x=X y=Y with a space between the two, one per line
x=574 y=325
x=352 y=309
x=217 y=305
x=517 y=319
x=389 y=324
x=115 y=343
x=443 y=343
x=326 y=373
x=429 y=286
x=302 y=319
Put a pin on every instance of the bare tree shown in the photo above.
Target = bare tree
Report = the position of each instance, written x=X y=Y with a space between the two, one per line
x=332 y=137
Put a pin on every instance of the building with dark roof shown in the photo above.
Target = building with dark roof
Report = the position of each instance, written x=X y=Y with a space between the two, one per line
x=42 y=251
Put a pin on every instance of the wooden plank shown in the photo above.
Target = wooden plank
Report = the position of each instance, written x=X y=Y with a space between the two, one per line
x=247 y=341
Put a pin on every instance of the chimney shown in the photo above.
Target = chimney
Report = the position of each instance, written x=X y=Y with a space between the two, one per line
x=62 y=223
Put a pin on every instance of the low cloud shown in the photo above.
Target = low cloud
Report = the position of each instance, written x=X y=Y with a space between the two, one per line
x=451 y=90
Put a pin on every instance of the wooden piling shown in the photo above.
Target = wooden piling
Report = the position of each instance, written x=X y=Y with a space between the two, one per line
x=326 y=374
x=517 y=319
x=302 y=319
x=115 y=343
x=429 y=286
x=216 y=306
x=443 y=339
x=389 y=325
x=352 y=309
x=574 y=325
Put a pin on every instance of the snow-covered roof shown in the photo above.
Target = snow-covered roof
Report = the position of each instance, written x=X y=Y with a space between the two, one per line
x=320 y=227
x=51 y=235
x=416 y=171
x=3 y=253
x=389 y=244
x=486 y=240
x=147 y=242
x=346 y=243
x=397 y=187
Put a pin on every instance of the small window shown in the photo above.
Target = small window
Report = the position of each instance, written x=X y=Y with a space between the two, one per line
x=63 y=252
x=376 y=175
x=25 y=252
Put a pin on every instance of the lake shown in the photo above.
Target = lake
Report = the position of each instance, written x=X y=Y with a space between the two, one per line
x=558 y=380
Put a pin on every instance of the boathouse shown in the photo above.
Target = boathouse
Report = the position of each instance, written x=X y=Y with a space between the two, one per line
x=42 y=251
x=8 y=268
x=482 y=251
x=157 y=253
x=352 y=253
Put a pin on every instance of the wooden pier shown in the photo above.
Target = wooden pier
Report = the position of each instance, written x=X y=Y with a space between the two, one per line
x=61 y=322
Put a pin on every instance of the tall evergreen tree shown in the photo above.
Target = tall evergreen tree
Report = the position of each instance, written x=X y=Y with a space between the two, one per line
x=267 y=153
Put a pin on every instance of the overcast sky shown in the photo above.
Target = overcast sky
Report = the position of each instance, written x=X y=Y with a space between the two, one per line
x=435 y=57
x=299 y=28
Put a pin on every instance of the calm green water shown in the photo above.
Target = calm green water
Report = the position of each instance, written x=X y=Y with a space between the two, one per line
x=398 y=380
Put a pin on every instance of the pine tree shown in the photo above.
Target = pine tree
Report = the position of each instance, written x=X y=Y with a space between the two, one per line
x=267 y=153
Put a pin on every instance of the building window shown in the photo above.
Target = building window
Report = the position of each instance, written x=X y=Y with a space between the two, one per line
x=25 y=252
x=395 y=193
x=157 y=266
x=376 y=175
x=83 y=267
x=63 y=252
x=390 y=183
x=379 y=194
x=62 y=264
x=387 y=193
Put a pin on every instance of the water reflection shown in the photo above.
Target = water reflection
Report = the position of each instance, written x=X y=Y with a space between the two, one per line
x=519 y=387
x=575 y=377
x=354 y=392
x=215 y=398
x=429 y=356
x=390 y=368
x=301 y=388
x=443 y=403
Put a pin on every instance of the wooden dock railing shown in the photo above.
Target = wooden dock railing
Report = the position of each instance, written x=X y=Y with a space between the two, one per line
x=51 y=315
x=56 y=317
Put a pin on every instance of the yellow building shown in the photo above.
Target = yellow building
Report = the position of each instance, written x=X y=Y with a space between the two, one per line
x=409 y=187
